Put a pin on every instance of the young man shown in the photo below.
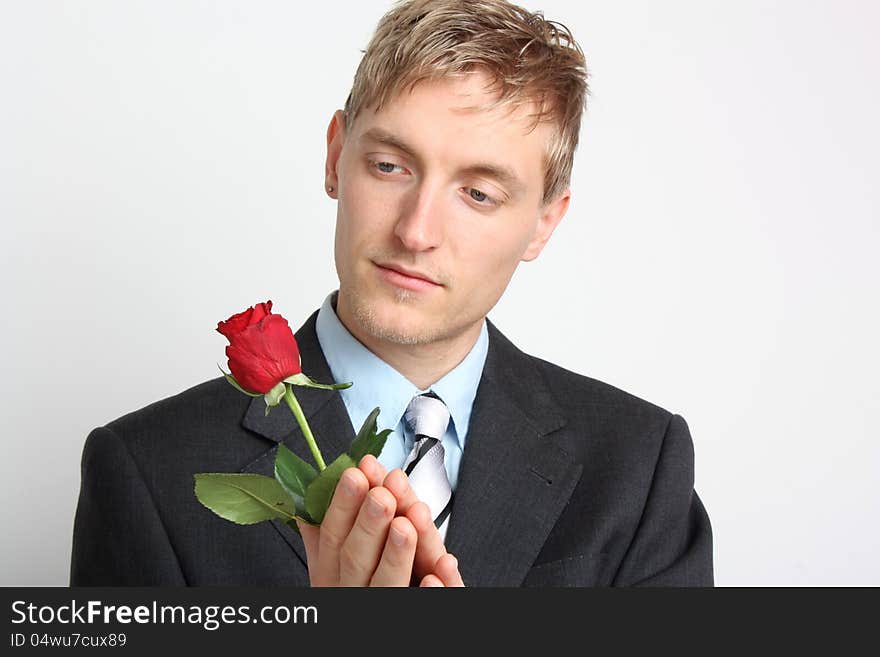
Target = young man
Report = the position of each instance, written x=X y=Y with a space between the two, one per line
x=450 y=164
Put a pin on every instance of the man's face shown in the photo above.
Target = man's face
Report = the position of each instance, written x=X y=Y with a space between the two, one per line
x=437 y=206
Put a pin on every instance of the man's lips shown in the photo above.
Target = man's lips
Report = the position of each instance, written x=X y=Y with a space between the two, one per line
x=408 y=278
x=412 y=273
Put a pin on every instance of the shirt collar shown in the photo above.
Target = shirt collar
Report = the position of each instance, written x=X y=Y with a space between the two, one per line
x=376 y=383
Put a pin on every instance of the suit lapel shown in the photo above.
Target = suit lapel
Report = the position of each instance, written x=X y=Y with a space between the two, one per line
x=514 y=480
x=324 y=410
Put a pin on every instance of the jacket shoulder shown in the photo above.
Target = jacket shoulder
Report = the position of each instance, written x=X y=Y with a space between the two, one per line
x=212 y=399
x=571 y=390
x=200 y=425
x=586 y=405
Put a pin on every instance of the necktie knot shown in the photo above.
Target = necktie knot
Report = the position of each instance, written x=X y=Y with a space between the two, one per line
x=427 y=415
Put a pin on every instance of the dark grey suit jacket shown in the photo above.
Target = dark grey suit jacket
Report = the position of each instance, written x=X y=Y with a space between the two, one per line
x=565 y=481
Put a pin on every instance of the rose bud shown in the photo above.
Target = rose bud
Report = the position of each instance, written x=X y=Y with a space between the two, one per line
x=262 y=350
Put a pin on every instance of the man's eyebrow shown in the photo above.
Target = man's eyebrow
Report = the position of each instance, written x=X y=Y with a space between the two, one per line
x=502 y=173
x=381 y=136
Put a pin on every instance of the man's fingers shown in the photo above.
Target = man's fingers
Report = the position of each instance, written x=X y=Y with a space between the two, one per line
x=362 y=550
x=430 y=546
x=431 y=580
x=445 y=574
x=376 y=532
x=395 y=566
x=447 y=570
x=398 y=483
x=372 y=469
x=337 y=524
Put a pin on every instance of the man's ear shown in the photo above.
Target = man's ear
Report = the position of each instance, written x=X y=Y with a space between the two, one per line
x=335 y=139
x=551 y=215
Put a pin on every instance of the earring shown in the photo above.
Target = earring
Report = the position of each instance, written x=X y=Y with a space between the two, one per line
x=329 y=189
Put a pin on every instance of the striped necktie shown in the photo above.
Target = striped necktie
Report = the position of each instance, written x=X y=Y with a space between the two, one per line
x=428 y=418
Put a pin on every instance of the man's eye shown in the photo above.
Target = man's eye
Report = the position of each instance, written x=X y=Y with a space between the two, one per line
x=479 y=196
x=385 y=167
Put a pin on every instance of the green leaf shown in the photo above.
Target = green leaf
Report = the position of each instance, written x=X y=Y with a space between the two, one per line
x=294 y=475
x=232 y=380
x=244 y=498
x=367 y=440
x=379 y=442
x=302 y=380
x=320 y=491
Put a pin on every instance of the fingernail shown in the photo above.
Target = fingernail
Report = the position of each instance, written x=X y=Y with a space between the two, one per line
x=433 y=583
x=398 y=537
x=349 y=487
x=374 y=507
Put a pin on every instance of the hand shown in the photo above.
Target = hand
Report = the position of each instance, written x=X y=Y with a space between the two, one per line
x=369 y=537
x=445 y=573
x=429 y=547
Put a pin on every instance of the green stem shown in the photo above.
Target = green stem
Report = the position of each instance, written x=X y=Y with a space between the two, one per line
x=303 y=425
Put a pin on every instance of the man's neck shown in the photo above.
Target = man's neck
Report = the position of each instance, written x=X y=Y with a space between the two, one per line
x=422 y=364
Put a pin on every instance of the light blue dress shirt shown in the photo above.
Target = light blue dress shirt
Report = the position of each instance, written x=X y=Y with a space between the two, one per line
x=376 y=383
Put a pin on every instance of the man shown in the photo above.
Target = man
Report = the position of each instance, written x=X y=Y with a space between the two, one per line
x=450 y=164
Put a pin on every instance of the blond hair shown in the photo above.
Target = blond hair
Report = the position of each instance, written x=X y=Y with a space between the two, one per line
x=528 y=58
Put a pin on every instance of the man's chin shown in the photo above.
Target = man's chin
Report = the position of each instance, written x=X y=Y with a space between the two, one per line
x=395 y=320
x=397 y=331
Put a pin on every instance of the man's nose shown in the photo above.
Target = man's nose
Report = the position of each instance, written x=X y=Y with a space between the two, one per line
x=420 y=224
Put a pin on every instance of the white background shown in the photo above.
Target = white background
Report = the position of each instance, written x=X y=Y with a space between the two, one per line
x=161 y=167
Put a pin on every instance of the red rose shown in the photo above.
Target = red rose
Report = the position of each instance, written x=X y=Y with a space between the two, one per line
x=262 y=350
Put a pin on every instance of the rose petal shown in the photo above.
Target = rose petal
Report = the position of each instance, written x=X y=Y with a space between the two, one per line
x=280 y=345
x=240 y=321
x=249 y=371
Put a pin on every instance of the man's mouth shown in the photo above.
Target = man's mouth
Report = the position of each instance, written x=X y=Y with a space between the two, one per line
x=411 y=279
